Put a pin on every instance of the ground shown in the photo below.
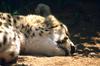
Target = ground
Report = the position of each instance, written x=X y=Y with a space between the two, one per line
x=57 y=61
x=87 y=55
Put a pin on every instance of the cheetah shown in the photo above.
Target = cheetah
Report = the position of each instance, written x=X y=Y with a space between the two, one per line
x=9 y=39
x=44 y=34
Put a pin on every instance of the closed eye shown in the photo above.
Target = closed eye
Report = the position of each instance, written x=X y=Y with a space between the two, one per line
x=62 y=41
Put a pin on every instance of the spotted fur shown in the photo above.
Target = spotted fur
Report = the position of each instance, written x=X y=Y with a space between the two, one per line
x=37 y=35
x=45 y=35
x=9 y=39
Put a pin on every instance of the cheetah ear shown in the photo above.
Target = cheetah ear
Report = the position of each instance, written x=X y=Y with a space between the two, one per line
x=43 y=10
x=66 y=29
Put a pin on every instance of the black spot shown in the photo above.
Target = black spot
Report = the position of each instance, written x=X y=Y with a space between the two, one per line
x=18 y=17
x=14 y=21
x=64 y=40
x=4 y=39
x=12 y=54
x=9 y=21
x=46 y=29
x=0 y=31
x=33 y=34
x=9 y=16
x=14 y=38
x=3 y=18
x=28 y=30
x=18 y=36
x=36 y=29
x=0 y=44
x=61 y=25
x=42 y=28
x=10 y=24
x=26 y=35
x=41 y=32
x=53 y=26
x=23 y=26
x=0 y=23
x=27 y=25
x=67 y=33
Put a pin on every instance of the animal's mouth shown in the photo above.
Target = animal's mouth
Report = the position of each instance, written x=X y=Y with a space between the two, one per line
x=73 y=50
x=70 y=51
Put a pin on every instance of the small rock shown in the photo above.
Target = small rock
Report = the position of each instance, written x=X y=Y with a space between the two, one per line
x=74 y=54
x=92 y=54
x=86 y=52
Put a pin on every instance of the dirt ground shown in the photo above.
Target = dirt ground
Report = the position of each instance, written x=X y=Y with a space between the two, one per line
x=57 y=61
x=87 y=54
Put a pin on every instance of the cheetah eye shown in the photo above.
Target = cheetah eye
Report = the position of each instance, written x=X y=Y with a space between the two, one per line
x=59 y=42
x=62 y=41
x=65 y=38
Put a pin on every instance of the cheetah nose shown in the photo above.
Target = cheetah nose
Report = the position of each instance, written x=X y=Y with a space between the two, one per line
x=73 y=49
x=70 y=51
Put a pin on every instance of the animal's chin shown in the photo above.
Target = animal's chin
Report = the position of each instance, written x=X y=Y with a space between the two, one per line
x=67 y=52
